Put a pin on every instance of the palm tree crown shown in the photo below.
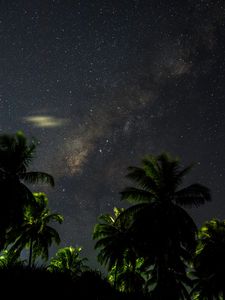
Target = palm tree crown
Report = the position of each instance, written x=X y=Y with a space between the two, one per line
x=16 y=155
x=114 y=242
x=68 y=260
x=159 y=180
x=35 y=232
x=112 y=236
x=158 y=199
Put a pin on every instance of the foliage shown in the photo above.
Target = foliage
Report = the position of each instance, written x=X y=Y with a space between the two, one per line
x=68 y=260
x=130 y=278
x=16 y=155
x=114 y=241
x=35 y=232
x=209 y=261
x=148 y=248
x=160 y=226
x=9 y=259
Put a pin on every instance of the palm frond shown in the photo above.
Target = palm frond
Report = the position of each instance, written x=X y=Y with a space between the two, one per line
x=28 y=195
x=102 y=230
x=133 y=210
x=151 y=167
x=180 y=174
x=7 y=142
x=134 y=195
x=106 y=218
x=139 y=176
x=193 y=195
x=51 y=232
x=54 y=217
x=37 y=177
x=186 y=170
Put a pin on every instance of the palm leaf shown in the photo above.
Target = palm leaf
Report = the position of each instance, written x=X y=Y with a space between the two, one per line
x=193 y=195
x=133 y=210
x=37 y=177
x=151 y=167
x=53 y=234
x=134 y=195
x=138 y=175
x=54 y=217
x=106 y=218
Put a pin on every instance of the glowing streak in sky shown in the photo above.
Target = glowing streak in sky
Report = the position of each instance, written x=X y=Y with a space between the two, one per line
x=45 y=121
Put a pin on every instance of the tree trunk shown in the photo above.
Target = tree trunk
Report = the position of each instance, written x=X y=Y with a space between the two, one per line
x=30 y=253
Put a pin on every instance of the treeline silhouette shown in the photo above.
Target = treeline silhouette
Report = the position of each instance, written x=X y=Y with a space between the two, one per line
x=151 y=250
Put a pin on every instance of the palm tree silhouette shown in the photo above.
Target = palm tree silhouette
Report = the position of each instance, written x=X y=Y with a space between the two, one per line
x=172 y=285
x=114 y=242
x=68 y=260
x=16 y=155
x=35 y=232
x=164 y=233
x=209 y=261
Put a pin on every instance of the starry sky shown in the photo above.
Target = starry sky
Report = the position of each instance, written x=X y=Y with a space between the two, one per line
x=102 y=83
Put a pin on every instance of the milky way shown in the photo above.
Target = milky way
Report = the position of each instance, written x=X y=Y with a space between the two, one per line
x=102 y=83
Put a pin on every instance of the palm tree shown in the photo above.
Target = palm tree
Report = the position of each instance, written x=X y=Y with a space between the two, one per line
x=172 y=285
x=35 y=232
x=9 y=259
x=67 y=260
x=129 y=278
x=16 y=155
x=163 y=231
x=114 y=242
x=209 y=261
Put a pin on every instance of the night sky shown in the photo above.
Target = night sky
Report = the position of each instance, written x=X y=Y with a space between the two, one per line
x=101 y=84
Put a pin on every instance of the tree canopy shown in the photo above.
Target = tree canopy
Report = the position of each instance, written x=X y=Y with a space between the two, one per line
x=16 y=156
x=152 y=249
